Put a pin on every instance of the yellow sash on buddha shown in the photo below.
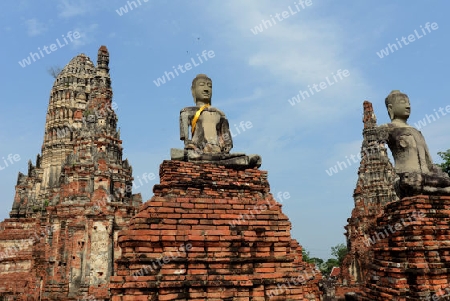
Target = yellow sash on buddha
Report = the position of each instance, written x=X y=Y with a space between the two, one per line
x=197 y=116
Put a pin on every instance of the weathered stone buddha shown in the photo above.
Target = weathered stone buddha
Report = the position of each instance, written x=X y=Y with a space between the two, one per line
x=415 y=170
x=205 y=131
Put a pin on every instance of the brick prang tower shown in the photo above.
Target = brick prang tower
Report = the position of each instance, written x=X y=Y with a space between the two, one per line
x=60 y=240
x=374 y=189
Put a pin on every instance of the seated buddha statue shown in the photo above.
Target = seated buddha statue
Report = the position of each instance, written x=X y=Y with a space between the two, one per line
x=205 y=131
x=416 y=173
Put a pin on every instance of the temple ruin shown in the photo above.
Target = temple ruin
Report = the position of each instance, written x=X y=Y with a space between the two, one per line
x=212 y=230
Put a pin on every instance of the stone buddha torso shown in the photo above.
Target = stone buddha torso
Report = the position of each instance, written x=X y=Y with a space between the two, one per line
x=408 y=147
x=211 y=134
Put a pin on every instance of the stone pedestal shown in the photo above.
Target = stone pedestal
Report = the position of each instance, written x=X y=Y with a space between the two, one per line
x=211 y=233
x=411 y=248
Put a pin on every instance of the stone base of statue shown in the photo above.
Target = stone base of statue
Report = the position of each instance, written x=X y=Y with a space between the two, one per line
x=415 y=183
x=235 y=160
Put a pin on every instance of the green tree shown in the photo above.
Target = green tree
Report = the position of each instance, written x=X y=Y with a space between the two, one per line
x=446 y=164
x=317 y=261
x=339 y=251
x=327 y=266
x=306 y=256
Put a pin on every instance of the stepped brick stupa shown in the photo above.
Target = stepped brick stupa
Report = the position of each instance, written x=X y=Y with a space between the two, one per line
x=60 y=241
x=212 y=231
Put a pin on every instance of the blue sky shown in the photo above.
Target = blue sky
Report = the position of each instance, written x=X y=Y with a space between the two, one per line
x=254 y=77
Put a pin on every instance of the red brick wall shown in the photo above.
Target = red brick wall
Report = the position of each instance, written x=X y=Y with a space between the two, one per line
x=411 y=261
x=211 y=233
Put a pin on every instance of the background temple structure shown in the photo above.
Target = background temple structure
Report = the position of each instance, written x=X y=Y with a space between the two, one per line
x=60 y=240
x=374 y=189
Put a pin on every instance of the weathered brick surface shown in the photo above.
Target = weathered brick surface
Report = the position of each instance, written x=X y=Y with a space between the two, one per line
x=17 y=238
x=412 y=261
x=211 y=233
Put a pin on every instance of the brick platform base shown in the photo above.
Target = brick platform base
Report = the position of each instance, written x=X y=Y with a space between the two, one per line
x=211 y=233
x=411 y=251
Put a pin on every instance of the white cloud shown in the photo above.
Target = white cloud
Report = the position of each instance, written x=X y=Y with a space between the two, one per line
x=347 y=152
x=255 y=96
x=299 y=51
x=300 y=48
x=35 y=27
x=73 y=8
x=87 y=35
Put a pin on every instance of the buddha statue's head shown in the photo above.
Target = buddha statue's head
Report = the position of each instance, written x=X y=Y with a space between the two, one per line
x=202 y=89
x=398 y=106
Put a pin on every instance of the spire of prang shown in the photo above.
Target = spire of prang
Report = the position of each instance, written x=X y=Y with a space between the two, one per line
x=99 y=106
x=103 y=58
x=375 y=172
x=369 y=118
x=374 y=189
